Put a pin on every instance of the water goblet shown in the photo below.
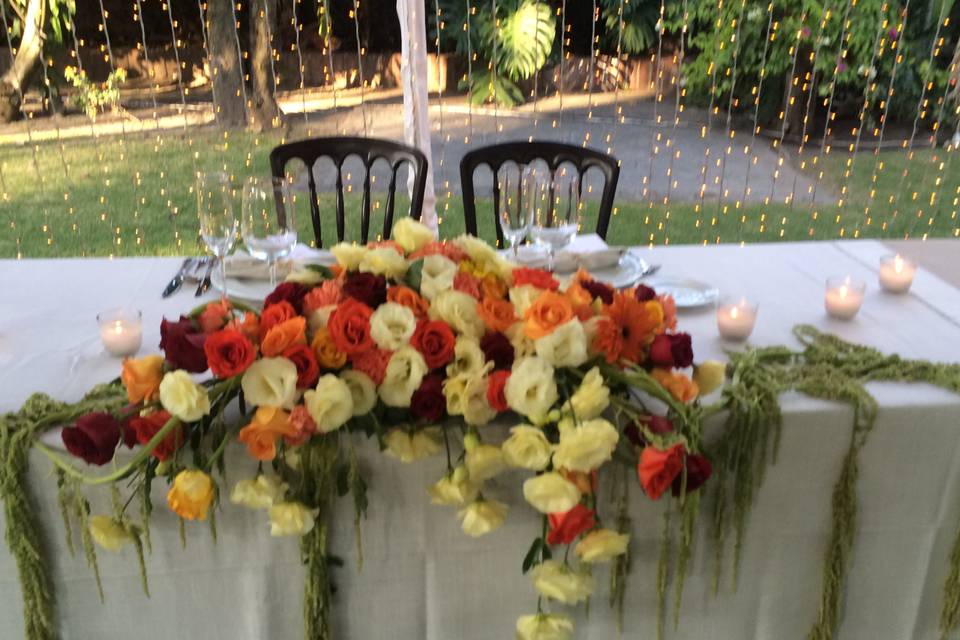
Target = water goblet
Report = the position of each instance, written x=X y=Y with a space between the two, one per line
x=216 y=201
x=268 y=220
x=555 y=205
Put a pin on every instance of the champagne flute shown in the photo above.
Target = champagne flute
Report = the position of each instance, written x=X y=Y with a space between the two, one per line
x=513 y=211
x=555 y=209
x=268 y=220
x=218 y=223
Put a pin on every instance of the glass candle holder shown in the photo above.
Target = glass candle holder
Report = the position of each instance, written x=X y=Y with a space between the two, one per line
x=896 y=273
x=121 y=331
x=843 y=297
x=736 y=317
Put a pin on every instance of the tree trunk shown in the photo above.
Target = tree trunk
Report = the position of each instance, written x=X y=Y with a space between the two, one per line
x=28 y=53
x=225 y=64
x=263 y=104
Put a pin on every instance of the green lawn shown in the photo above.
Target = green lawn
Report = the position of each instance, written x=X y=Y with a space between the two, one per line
x=132 y=197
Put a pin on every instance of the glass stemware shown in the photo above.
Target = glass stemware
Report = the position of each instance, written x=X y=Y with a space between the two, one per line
x=268 y=221
x=216 y=198
x=515 y=214
x=555 y=205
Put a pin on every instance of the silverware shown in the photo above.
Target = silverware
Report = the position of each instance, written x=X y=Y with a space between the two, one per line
x=649 y=271
x=205 y=280
x=177 y=281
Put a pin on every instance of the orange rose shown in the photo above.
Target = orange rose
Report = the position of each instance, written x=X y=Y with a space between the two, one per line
x=274 y=315
x=440 y=248
x=669 y=311
x=250 y=326
x=548 y=311
x=586 y=482
x=410 y=299
x=581 y=300
x=142 y=377
x=608 y=340
x=680 y=386
x=349 y=327
x=284 y=335
x=467 y=283
x=540 y=278
x=499 y=315
x=639 y=322
x=328 y=356
x=191 y=494
x=260 y=436
x=493 y=287
x=329 y=292
x=215 y=316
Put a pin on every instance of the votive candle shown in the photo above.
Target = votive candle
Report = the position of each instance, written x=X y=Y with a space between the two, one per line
x=844 y=297
x=121 y=331
x=736 y=318
x=896 y=273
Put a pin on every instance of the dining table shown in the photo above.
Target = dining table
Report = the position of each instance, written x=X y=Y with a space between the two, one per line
x=421 y=578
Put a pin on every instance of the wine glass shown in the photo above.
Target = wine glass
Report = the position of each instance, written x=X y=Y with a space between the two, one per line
x=555 y=205
x=268 y=221
x=514 y=212
x=218 y=223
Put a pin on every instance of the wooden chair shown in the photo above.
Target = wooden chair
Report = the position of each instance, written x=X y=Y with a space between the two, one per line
x=522 y=153
x=368 y=150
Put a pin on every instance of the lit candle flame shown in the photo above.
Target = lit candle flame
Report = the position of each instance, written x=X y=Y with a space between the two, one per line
x=734 y=312
x=843 y=291
x=118 y=327
x=898 y=264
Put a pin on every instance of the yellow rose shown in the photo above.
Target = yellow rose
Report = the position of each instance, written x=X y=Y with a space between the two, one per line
x=459 y=310
x=481 y=253
x=565 y=346
x=484 y=461
x=531 y=389
x=551 y=493
x=270 y=382
x=586 y=446
x=183 y=397
x=141 y=377
x=436 y=276
x=480 y=517
x=411 y=234
x=410 y=447
x=601 y=545
x=710 y=376
x=330 y=403
x=191 y=494
x=523 y=346
x=526 y=448
x=258 y=493
x=319 y=317
x=476 y=408
x=454 y=390
x=557 y=581
x=108 y=533
x=544 y=626
x=348 y=255
x=591 y=398
x=291 y=519
x=468 y=357
x=362 y=390
x=454 y=489
x=384 y=261
x=391 y=326
x=405 y=372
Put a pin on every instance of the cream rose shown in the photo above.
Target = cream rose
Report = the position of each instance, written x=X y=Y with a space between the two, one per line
x=436 y=276
x=348 y=255
x=480 y=517
x=551 y=493
x=484 y=461
x=410 y=447
x=270 y=382
x=522 y=345
x=476 y=408
x=362 y=390
x=411 y=234
x=319 y=317
x=601 y=545
x=330 y=403
x=557 y=581
x=261 y=492
x=459 y=310
x=591 y=398
x=566 y=346
x=544 y=626
x=304 y=276
x=183 y=397
x=384 y=261
x=524 y=296
x=108 y=533
x=468 y=357
x=291 y=519
x=527 y=448
x=404 y=374
x=454 y=489
x=391 y=326
x=586 y=446
x=710 y=376
x=531 y=389
x=455 y=390
x=481 y=253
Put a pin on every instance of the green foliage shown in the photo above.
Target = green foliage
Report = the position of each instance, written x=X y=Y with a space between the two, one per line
x=639 y=25
x=95 y=98
x=58 y=12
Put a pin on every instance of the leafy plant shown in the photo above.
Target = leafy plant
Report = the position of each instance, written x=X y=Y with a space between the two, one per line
x=59 y=13
x=93 y=98
x=639 y=25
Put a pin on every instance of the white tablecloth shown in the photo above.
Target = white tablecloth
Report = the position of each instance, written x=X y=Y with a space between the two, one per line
x=423 y=578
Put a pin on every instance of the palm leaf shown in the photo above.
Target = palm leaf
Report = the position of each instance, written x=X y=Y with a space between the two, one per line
x=525 y=39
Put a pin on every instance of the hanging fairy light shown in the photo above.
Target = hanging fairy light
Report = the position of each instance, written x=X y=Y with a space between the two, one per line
x=355 y=14
x=444 y=136
x=705 y=131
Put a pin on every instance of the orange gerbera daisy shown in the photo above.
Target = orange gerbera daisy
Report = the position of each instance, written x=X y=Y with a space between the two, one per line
x=608 y=339
x=638 y=321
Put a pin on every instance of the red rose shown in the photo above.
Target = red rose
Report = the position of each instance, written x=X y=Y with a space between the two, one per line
x=599 y=290
x=655 y=424
x=308 y=369
x=671 y=350
x=497 y=349
x=657 y=469
x=435 y=341
x=349 y=327
x=699 y=471
x=644 y=293
x=368 y=288
x=93 y=438
x=149 y=425
x=495 y=394
x=540 y=278
x=292 y=292
x=182 y=345
x=566 y=526
x=229 y=353
x=428 y=401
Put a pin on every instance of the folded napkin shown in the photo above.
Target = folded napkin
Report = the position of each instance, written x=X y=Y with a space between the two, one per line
x=587 y=251
x=243 y=266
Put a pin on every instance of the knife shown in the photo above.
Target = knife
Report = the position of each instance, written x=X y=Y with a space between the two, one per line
x=205 y=281
x=177 y=281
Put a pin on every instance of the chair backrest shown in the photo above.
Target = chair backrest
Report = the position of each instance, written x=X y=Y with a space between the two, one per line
x=368 y=150
x=553 y=154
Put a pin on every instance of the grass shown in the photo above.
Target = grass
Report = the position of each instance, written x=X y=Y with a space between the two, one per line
x=112 y=196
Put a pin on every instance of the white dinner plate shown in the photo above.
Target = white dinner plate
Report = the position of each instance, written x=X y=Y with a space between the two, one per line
x=686 y=293
x=255 y=289
x=624 y=274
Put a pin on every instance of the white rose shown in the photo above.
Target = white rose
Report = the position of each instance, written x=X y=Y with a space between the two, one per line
x=601 y=545
x=524 y=296
x=484 y=461
x=409 y=447
x=411 y=234
x=348 y=255
x=544 y=626
x=527 y=448
x=362 y=390
x=258 y=493
x=551 y=493
x=384 y=261
x=454 y=489
x=459 y=310
x=481 y=517
x=392 y=325
x=330 y=403
x=557 y=581
x=403 y=376
x=476 y=408
x=468 y=357
x=319 y=317
x=270 y=382
x=565 y=346
x=531 y=389
x=592 y=397
x=184 y=398
x=436 y=275
x=291 y=519
x=586 y=446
